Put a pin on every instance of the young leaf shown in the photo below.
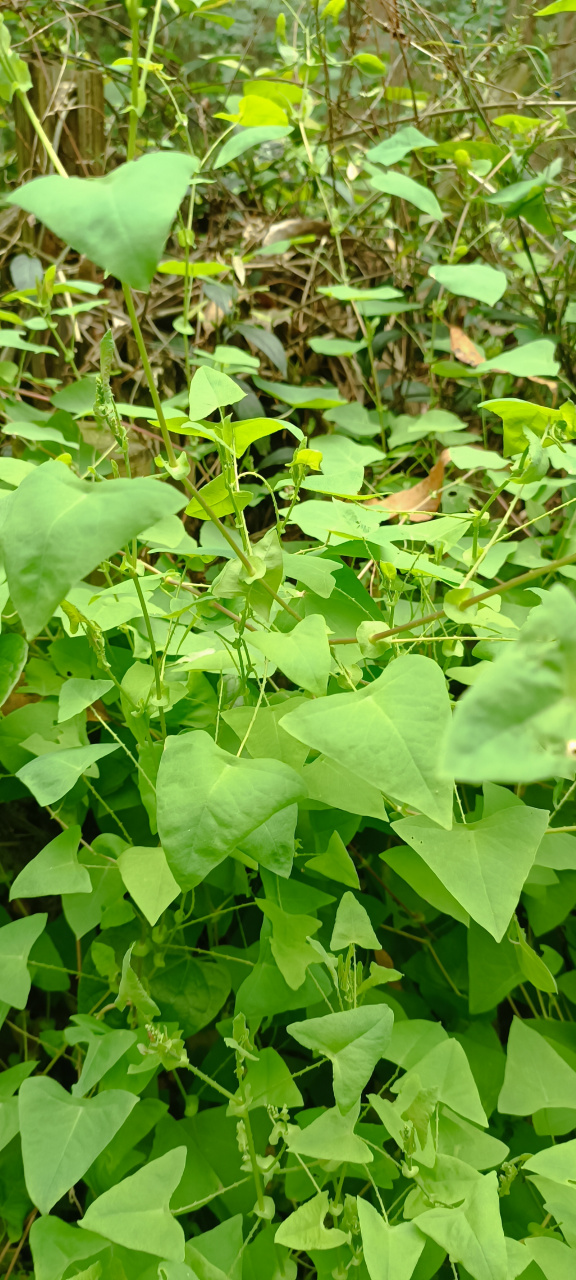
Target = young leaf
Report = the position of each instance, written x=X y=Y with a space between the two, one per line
x=56 y=1245
x=61 y=1135
x=148 y=879
x=54 y=870
x=405 y=188
x=131 y=991
x=251 y=136
x=290 y=948
x=445 y=1069
x=121 y=221
x=354 y=1041
x=75 y=695
x=268 y=1081
x=390 y=1253
x=336 y=863
x=76 y=525
x=393 y=149
x=304 y=1229
x=231 y=797
x=16 y=942
x=352 y=926
x=136 y=1212
x=483 y=864
x=331 y=1137
x=211 y=390
x=387 y=734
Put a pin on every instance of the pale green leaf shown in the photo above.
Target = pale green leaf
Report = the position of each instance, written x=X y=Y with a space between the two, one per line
x=136 y=1212
x=353 y=1040
x=120 y=221
x=13 y=655
x=16 y=942
x=76 y=694
x=335 y=863
x=390 y=1252
x=537 y=1078
x=62 y=1135
x=471 y=280
x=387 y=733
x=54 y=870
x=304 y=1229
x=148 y=879
x=250 y=136
x=352 y=926
x=303 y=654
x=51 y=776
x=472 y=1234
x=405 y=188
x=331 y=1137
x=211 y=390
x=290 y=948
x=76 y=525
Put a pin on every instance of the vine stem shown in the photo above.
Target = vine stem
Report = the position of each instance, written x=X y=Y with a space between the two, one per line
x=521 y=580
x=41 y=133
x=135 y=40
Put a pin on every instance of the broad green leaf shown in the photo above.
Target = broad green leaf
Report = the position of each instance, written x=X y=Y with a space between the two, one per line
x=303 y=654
x=459 y=1138
x=136 y=1212
x=16 y=942
x=517 y=415
x=13 y=655
x=555 y=1259
x=537 y=1078
x=290 y=948
x=354 y=1041
x=40 y=434
x=62 y=1135
x=445 y=1069
x=272 y=844
x=405 y=188
x=472 y=280
x=388 y=734
x=217 y=495
x=390 y=1252
x=200 y=824
x=211 y=390
x=393 y=149
x=325 y=397
x=56 y=1245
x=76 y=525
x=559 y=6
x=54 y=870
x=51 y=776
x=530 y=360
x=251 y=136
x=332 y=784
x=555 y=1162
x=493 y=969
x=268 y=1081
x=9 y=1123
x=336 y=863
x=472 y=1234
x=148 y=879
x=217 y=1254
x=104 y=1048
x=415 y=871
x=75 y=695
x=483 y=864
x=353 y=926
x=121 y=221
x=517 y=721
x=331 y=1137
x=305 y=1229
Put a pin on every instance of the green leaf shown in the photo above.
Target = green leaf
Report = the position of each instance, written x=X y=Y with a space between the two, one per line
x=472 y=1234
x=387 y=734
x=62 y=1136
x=16 y=942
x=31 y=431
x=105 y=1048
x=472 y=280
x=537 y=1078
x=211 y=390
x=231 y=797
x=331 y=1137
x=303 y=654
x=332 y=784
x=75 y=695
x=390 y=1253
x=14 y=73
x=121 y=221
x=483 y=864
x=445 y=1069
x=493 y=969
x=131 y=992
x=51 y=776
x=290 y=948
x=217 y=1254
x=532 y=965
x=559 y=6
x=353 y=1040
x=13 y=655
x=304 y=1229
x=527 y=361
x=148 y=879
x=252 y=136
x=405 y=188
x=335 y=863
x=268 y=1082
x=516 y=723
x=136 y=1213
x=217 y=495
x=393 y=149
x=352 y=926
x=325 y=397
x=76 y=525
x=56 y=1245
x=54 y=870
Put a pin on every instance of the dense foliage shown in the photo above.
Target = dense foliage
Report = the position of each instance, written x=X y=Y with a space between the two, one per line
x=288 y=729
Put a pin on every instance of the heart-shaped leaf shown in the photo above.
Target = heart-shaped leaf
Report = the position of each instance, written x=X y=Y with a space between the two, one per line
x=136 y=1212
x=121 y=221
